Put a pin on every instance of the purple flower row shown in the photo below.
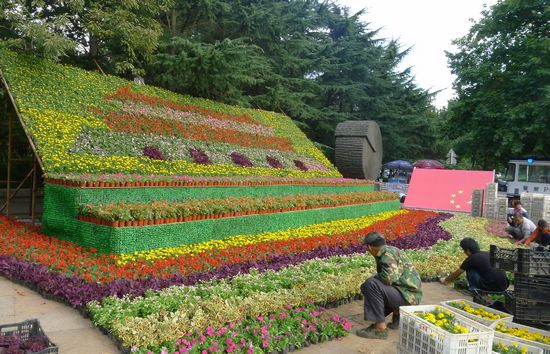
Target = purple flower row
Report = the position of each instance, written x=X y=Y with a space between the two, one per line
x=77 y=292
x=427 y=234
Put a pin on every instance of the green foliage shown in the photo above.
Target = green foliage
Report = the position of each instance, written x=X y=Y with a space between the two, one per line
x=219 y=70
x=125 y=33
x=503 y=76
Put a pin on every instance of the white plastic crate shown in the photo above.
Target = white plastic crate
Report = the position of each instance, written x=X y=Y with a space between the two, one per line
x=530 y=349
x=483 y=321
x=419 y=336
x=544 y=347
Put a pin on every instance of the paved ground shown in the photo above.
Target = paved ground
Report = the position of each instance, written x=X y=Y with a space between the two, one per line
x=75 y=334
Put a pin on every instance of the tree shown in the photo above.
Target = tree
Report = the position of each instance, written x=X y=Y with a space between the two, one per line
x=503 y=84
x=309 y=59
x=122 y=34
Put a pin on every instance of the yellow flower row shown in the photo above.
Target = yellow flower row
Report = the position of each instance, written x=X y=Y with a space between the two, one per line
x=442 y=318
x=326 y=228
x=522 y=333
x=479 y=312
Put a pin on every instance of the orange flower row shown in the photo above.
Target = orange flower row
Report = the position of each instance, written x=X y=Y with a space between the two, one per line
x=167 y=127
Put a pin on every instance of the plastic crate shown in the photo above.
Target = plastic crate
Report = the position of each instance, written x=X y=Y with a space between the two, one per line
x=532 y=288
x=504 y=259
x=531 y=262
x=27 y=330
x=419 y=336
x=535 y=312
x=507 y=317
x=530 y=349
x=544 y=347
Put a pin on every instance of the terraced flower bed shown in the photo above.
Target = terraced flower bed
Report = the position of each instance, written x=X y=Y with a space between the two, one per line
x=85 y=122
x=206 y=287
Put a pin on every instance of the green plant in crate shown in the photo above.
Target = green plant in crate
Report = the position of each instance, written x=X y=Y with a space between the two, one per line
x=443 y=319
x=522 y=333
x=515 y=348
x=479 y=312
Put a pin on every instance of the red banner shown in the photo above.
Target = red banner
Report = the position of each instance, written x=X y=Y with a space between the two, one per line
x=449 y=190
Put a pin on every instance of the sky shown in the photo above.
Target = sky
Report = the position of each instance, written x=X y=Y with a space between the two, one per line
x=428 y=26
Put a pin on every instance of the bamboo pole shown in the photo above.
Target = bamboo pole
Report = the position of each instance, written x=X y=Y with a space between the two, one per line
x=8 y=177
x=10 y=197
x=33 y=190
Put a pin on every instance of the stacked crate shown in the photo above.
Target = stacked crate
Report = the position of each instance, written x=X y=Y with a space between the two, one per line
x=502 y=208
x=531 y=301
x=490 y=201
x=477 y=202
x=537 y=206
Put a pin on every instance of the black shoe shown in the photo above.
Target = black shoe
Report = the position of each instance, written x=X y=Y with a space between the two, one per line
x=394 y=321
x=394 y=324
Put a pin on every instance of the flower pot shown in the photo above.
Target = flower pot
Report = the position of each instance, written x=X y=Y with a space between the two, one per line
x=115 y=223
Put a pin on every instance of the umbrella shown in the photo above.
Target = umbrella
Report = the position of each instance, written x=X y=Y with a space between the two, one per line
x=430 y=164
x=399 y=165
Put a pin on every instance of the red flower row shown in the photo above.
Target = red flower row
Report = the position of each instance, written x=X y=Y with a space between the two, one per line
x=167 y=127
x=126 y=93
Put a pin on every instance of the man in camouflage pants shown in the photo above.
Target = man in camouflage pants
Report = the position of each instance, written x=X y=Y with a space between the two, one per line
x=396 y=283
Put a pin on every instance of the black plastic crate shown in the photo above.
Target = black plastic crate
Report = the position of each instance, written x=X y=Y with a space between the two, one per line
x=530 y=311
x=25 y=332
x=504 y=259
x=532 y=288
x=533 y=262
x=521 y=260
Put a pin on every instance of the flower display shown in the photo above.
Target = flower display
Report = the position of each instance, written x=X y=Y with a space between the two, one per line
x=279 y=331
x=442 y=318
x=85 y=122
x=477 y=311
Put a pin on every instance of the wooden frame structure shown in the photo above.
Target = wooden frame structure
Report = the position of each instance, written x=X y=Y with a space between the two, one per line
x=9 y=102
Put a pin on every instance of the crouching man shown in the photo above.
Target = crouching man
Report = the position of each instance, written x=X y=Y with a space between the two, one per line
x=396 y=283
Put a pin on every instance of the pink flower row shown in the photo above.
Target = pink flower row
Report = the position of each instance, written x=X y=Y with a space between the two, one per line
x=194 y=118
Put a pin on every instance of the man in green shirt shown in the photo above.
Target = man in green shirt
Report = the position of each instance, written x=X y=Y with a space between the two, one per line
x=396 y=283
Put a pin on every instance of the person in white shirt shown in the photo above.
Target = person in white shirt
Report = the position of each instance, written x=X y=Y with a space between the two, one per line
x=522 y=229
